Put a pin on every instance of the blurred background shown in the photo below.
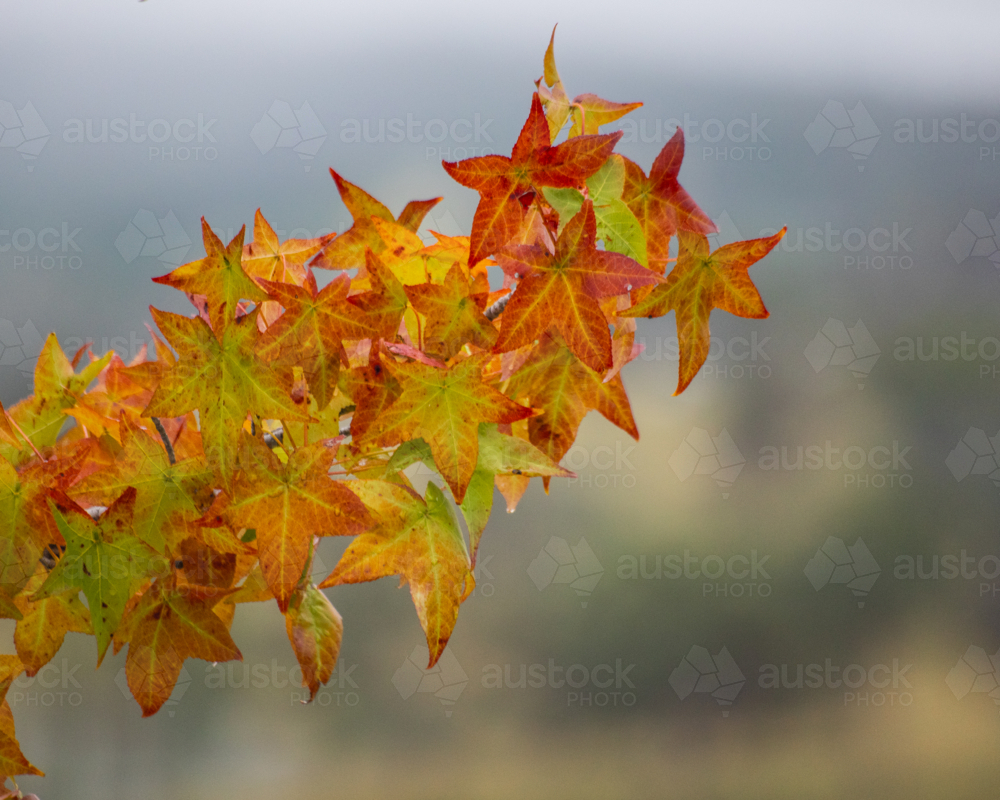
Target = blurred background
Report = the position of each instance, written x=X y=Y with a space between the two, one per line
x=788 y=587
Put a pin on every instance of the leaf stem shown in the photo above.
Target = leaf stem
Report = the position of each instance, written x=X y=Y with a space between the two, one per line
x=166 y=439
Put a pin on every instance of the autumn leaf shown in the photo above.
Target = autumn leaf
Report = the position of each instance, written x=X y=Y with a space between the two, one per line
x=104 y=558
x=454 y=316
x=58 y=386
x=219 y=276
x=372 y=388
x=44 y=623
x=168 y=625
x=661 y=204
x=223 y=378
x=419 y=540
x=165 y=493
x=533 y=163
x=310 y=332
x=26 y=524
x=500 y=454
x=285 y=262
x=700 y=282
x=315 y=629
x=444 y=408
x=347 y=251
x=562 y=289
x=589 y=111
x=617 y=226
x=566 y=389
x=12 y=760
x=385 y=303
x=288 y=504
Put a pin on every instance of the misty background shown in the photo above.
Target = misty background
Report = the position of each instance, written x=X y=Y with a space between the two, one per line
x=872 y=130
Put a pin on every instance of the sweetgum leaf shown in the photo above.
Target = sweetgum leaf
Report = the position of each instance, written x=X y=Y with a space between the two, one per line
x=12 y=760
x=444 y=408
x=660 y=203
x=419 y=540
x=57 y=387
x=104 y=559
x=222 y=377
x=500 y=454
x=288 y=504
x=219 y=277
x=700 y=282
x=347 y=251
x=533 y=163
x=315 y=630
x=563 y=289
x=566 y=389
x=165 y=492
x=44 y=623
x=168 y=625
x=311 y=331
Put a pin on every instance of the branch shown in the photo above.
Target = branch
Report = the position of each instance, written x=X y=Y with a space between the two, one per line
x=166 y=440
x=497 y=308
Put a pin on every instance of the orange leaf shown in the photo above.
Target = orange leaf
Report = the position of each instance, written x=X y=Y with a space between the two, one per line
x=700 y=282
x=419 y=540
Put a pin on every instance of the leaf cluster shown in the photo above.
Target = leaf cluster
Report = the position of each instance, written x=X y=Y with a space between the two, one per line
x=142 y=503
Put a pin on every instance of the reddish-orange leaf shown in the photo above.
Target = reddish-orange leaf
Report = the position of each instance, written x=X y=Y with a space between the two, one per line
x=453 y=315
x=285 y=262
x=347 y=251
x=533 y=163
x=419 y=540
x=372 y=388
x=288 y=504
x=220 y=375
x=555 y=380
x=219 y=277
x=168 y=625
x=310 y=332
x=385 y=304
x=563 y=289
x=44 y=623
x=315 y=630
x=700 y=282
x=12 y=760
x=166 y=493
x=444 y=408
x=660 y=203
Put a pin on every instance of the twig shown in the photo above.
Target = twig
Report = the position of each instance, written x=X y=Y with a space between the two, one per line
x=497 y=308
x=166 y=440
